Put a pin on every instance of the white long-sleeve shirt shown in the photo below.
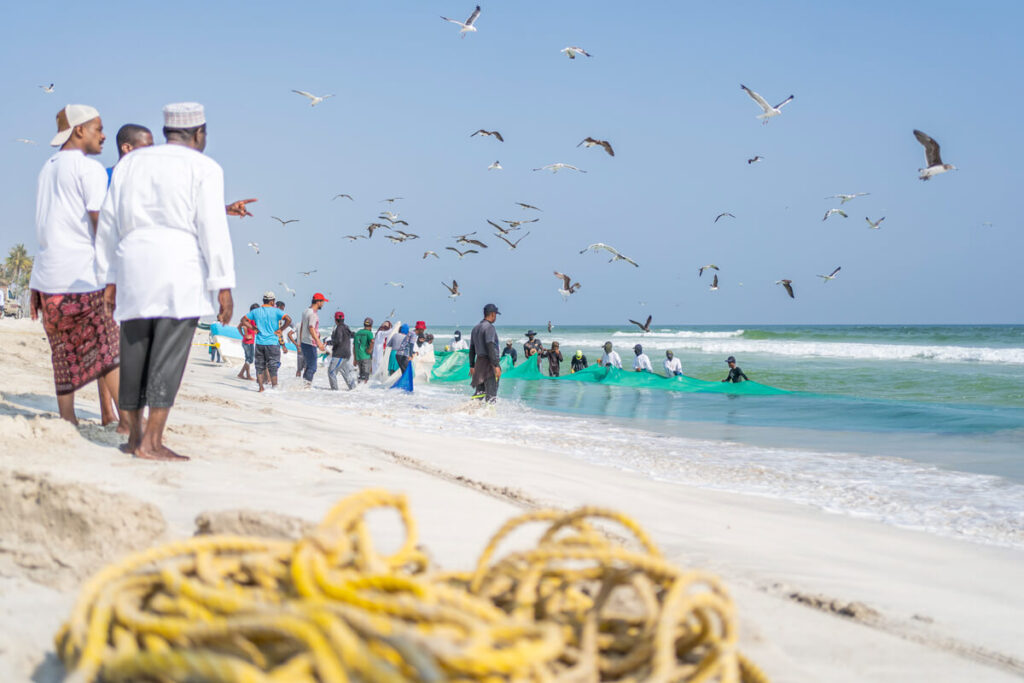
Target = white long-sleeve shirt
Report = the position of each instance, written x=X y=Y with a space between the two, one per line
x=642 y=363
x=672 y=367
x=163 y=234
x=612 y=359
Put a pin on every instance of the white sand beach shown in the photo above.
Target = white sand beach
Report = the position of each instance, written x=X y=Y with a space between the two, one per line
x=821 y=597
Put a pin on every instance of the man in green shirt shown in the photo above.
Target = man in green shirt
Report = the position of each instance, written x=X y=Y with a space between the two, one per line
x=363 y=343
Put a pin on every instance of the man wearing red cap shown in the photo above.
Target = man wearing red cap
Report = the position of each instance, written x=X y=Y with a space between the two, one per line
x=309 y=336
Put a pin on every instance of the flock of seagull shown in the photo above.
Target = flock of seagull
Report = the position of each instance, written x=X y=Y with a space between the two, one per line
x=388 y=220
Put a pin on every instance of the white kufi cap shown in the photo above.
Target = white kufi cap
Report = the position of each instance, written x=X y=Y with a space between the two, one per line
x=70 y=116
x=184 y=115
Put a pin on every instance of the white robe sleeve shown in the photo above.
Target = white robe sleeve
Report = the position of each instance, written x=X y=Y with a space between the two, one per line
x=213 y=233
x=106 y=242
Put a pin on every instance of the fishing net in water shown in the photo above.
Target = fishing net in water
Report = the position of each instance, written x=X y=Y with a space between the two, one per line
x=454 y=367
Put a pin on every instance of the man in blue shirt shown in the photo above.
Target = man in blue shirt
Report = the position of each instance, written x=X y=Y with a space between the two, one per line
x=268 y=319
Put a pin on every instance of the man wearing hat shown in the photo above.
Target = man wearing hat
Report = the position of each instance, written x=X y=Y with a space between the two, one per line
x=533 y=346
x=309 y=336
x=362 y=343
x=164 y=251
x=341 y=354
x=735 y=374
x=484 y=361
x=64 y=287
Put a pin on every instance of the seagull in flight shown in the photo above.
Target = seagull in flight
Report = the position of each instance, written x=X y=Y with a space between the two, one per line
x=462 y=254
x=573 y=51
x=391 y=200
x=567 y=286
x=503 y=231
x=788 y=285
x=528 y=206
x=397 y=239
x=555 y=168
x=594 y=142
x=645 y=327
x=25 y=141
x=512 y=245
x=616 y=255
x=285 y=222
x=48 y=89
x=769 y=110
x=515 y=224
x=830 y=276
x=408 y=235
x=496 y=166
x=393 y=219
x=468 y=24
x=488 y=133
x=874 y=225
x=307 y=273
x=287 y=288
x=356 y=237
x=710 y=266
x=830 y=212
x=756 y=158
x=430 y=253
x=843 y=198
x=255 y=247
x=342 y=195
x=394 y=284
x=453 y=290
x=313 y=99
x=932 y=158
x=714 y=284
x=464 y=239
x=374 y=226
x=723 y=214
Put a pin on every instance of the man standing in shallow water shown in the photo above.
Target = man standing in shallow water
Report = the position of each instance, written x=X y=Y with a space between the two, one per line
x=484 y=361
x=164 y=250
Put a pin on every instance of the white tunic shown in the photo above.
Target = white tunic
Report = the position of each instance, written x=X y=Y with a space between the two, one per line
x=70 y=186
x=673 y=366
x=642 y=363
x=163 y=236
x=612 y=359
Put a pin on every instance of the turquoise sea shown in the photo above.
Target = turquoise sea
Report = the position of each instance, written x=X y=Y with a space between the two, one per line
x=921 y=427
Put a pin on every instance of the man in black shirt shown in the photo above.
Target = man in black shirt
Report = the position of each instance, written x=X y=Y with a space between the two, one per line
x=735 y=374
x=579 y=361
x=533 y=346
x=341 y=354
x=484 y=361
x=510 y=350
x=554 y=356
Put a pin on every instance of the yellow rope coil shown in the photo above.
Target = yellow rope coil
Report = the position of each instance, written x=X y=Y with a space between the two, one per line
x=578 y=606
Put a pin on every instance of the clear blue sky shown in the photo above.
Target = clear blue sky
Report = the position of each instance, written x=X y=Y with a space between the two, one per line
x=662 y=86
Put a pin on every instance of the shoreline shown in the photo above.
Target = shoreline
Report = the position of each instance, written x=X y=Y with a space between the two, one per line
x=819 y=596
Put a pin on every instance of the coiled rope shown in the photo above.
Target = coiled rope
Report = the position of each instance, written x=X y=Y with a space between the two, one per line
x=329 y=608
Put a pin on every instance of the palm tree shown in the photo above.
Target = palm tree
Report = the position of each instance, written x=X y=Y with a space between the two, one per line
x=18 y=266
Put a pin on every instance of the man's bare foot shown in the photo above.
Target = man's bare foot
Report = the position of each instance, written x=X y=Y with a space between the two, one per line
x=162 y=453
x=261 y=387
x=122 y=428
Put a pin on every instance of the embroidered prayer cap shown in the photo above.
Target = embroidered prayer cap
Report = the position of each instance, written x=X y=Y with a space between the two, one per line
x=184 y=115
x=70 y=116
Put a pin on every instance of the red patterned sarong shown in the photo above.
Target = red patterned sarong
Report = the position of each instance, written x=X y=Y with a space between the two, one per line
x=84 y=339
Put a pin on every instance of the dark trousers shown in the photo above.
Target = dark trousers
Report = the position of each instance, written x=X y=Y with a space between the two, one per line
x=402 y=362
x=489 y=389
x=308 y=362
x=153 y=356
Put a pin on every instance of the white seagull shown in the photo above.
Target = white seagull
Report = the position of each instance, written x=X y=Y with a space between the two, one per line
x=255 y=247
x=874 y=225
x=555 y=168
x=462 y=254
x=710 y=266
x=47 y=88
x=714 y=284
x=430 y=253
x=843 y=198
x=285 y=222
x=834 y=211
x=515 y=224
x=616 y=256
x=753 y=160
x=488 y=133
x=494 y=167
x=528 y=206
x=932 y=158
x=468 y=25
x=307 y=273
x=769 y=110
x=453 y=289
x=287 y=288
x=573 y=51
x=830 y=276
x=788 y=285
x=25 y=141
x=313 y=99
x=395 y=284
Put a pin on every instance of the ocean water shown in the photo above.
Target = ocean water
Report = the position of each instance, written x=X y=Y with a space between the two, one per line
x=917 y=426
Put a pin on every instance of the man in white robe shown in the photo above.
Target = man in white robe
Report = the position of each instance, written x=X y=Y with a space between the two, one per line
x=164 y=252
